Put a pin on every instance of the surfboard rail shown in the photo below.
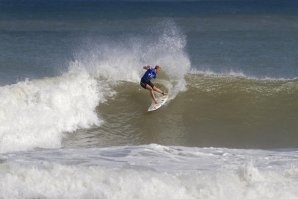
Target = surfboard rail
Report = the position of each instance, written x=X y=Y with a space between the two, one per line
x=161 y=101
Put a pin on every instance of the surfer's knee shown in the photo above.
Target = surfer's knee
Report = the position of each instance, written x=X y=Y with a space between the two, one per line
x=149 y=87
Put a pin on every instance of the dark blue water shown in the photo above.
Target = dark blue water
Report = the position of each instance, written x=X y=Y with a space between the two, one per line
x=256 y=38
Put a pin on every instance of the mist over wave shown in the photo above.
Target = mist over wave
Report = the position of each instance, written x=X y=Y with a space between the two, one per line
x=122 y=58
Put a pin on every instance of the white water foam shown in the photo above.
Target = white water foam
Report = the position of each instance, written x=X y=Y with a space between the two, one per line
x=36 y=113
x=150 y=171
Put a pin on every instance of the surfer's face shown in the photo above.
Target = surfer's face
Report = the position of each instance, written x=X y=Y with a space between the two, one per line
x=157 y=70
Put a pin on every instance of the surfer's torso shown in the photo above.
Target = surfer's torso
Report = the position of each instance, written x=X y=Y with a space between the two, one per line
x=150 y=73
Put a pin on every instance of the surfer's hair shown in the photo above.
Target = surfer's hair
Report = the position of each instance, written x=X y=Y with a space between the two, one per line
x=157 y=67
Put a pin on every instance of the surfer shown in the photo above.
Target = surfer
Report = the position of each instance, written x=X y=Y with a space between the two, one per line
x=147 y=84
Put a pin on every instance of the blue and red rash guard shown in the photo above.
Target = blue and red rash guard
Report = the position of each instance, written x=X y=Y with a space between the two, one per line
x=150 y=73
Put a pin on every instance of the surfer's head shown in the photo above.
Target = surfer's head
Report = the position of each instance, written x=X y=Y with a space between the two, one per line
x=157 y=68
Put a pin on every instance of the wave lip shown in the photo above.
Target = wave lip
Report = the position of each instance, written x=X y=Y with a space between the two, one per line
x=232 y=73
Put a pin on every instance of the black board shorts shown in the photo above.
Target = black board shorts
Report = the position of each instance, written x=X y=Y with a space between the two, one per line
x=143 y=84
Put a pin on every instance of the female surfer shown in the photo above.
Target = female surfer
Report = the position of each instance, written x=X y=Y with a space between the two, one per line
x=147 y=84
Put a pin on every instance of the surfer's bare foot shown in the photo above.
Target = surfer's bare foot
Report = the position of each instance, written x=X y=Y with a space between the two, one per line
x=156 y=102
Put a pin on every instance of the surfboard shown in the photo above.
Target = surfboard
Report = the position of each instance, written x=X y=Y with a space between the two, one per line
x=161 y=101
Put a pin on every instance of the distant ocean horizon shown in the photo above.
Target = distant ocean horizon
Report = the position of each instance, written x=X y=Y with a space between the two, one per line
x=74 y=120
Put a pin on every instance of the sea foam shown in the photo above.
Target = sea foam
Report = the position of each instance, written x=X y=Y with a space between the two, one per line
x=149 y=171
x=36 y=113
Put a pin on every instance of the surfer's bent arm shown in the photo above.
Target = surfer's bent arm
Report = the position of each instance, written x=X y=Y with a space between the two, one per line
x=146 y=67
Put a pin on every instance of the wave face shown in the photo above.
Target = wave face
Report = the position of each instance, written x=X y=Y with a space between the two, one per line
x=244 y=112
x=215 y=110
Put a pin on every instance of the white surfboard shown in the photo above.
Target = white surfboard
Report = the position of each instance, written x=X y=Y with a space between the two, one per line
x=161 y=102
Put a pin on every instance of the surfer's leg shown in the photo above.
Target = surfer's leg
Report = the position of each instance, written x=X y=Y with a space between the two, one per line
x=151 y=93
x=157 y=90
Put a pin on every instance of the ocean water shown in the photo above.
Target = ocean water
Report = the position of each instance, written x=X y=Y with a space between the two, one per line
x=74 y=120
